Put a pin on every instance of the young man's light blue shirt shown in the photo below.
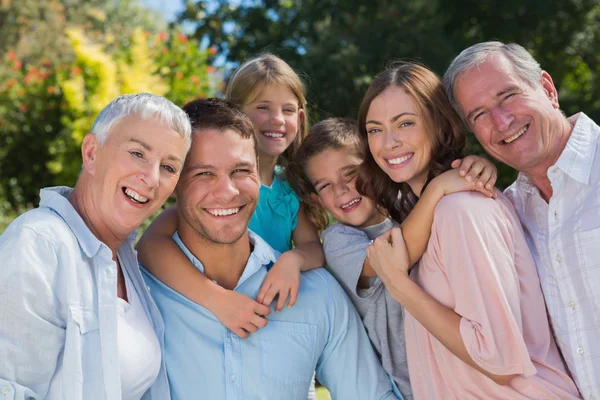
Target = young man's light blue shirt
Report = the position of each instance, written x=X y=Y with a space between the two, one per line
x=321 y=332
x=58 y=308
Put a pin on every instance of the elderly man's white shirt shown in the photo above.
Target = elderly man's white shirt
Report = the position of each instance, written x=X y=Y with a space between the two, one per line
x=564 y=237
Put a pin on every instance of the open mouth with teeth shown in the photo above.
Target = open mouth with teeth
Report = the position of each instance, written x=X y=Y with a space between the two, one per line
x=223 y=212
x=517 y=135
x=273 y=135
x=351 y=205
x=134 y=196
x=400 y=160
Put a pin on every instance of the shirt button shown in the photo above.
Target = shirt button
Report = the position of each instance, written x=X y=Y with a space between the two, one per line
x=571 y=305
x=580 y=350
x=555 y=215
x=148 y=288
x=233 y=378
x=558 y=258
x=4 y=390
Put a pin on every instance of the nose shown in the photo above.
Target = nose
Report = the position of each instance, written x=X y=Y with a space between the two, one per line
x=225 y=189
x=391 y=140
x=151 y=175
x=501 y=118
x=340 y=189
x=277 y=117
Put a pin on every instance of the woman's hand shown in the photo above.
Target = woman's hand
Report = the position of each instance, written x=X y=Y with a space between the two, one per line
x=283 y=280
x=388 y=257
x=479 y=170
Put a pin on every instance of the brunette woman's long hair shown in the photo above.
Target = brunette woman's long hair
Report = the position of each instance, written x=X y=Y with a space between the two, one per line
x=440 y=119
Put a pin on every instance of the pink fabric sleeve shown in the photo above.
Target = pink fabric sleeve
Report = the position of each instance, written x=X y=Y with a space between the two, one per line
x=475 y=246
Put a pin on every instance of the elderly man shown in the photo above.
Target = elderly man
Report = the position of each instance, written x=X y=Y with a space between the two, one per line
x=216 y=197
x=76 y=320
x=511 y=105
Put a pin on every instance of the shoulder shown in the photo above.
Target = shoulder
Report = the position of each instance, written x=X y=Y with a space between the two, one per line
x=322 y=286
x=42 y=223
x=340 y=231
x=472 y=206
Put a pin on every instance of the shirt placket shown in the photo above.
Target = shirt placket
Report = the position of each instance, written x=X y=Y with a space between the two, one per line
x=233 y=365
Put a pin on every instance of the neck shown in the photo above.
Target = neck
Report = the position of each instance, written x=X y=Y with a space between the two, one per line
x=417 y=184
x=82 y=203
x=223 y=263
x=266 y=169
x=538 y=173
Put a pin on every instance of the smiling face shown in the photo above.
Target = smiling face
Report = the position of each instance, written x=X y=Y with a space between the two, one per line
x=514 y=122
x=219 y=187
x=276 y=116
x=333 y=176
x=134 y=172
x=398 y=137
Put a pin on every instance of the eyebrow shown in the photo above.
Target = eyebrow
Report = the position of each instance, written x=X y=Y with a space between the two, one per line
x=499 y=94
x=149 y=148
x=393 y=119
x=213 y=167
x=269 y=102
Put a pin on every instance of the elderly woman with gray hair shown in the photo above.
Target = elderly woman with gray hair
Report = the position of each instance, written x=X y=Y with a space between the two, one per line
x=76 y=319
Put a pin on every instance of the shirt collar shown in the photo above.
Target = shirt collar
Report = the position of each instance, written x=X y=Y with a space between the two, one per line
x=577 y=158
x=262 y=256
x=56 y=199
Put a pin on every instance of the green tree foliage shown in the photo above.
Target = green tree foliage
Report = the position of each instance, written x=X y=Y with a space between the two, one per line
x=49 y=99
x=341 y=44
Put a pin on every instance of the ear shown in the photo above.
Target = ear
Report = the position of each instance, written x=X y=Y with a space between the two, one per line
x=89 y=152
x=549 y=88
x=316 y=199
x=301 y=117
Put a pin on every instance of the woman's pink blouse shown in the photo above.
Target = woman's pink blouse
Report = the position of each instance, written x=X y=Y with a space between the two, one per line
x=477 y=263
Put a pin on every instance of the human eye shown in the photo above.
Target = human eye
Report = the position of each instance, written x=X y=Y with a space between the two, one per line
x=373 y=130
x=241 y=171
x=136 y=154
x=477 y=116
x=322 y=187
x=262 y=107
x=169 y=168
x=203 y=174
x=405 y=124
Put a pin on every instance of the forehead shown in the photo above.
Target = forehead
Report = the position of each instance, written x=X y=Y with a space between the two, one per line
x=391 y=102
x=485 y=80
x=151 y=131
x=274 y=92
x=220 y=148
x=330 y=162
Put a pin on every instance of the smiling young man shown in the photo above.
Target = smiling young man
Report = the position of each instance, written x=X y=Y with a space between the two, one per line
x=216 y=197
x=76 y=320
x=512 y=107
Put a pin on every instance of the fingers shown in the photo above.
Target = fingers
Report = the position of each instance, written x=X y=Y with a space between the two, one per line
x=474 y=170
x=293 y=296
x=397 y=238
x=261 y=309
x=456 y=163
x=260 y=322
x=283 y=296
x=241 y=333
x=269 y=295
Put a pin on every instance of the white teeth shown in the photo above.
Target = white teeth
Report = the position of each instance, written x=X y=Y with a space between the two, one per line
x=135 y=196
x=351 y=203
x=273 y=134
x=399 y=160
x=516 y=135
x=221 y=212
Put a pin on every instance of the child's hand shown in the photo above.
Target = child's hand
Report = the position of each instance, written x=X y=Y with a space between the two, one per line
x=240 y=313
x=451 y=182
x=283 y=279
x=479 y=169
x=388 y=256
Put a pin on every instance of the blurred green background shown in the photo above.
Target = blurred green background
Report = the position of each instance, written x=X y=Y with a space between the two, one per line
x=63 y=60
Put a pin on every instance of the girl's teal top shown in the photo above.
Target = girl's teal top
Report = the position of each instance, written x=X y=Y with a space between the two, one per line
x=276 y=214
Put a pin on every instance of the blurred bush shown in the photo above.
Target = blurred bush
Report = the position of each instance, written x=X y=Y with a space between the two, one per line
x=48 y=100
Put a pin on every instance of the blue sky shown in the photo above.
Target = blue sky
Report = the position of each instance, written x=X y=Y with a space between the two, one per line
x=168 y=8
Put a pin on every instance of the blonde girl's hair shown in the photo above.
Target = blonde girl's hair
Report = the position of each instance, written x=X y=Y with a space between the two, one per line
x=330 y=134
x=252 y=77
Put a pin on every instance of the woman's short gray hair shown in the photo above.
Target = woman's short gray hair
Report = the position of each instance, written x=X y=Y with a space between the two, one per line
x=526 y=67
x=142 y=105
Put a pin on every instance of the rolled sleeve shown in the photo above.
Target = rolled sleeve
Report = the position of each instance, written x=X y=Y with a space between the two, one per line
x=31 y=332
x=348 y=366
x=476 y=246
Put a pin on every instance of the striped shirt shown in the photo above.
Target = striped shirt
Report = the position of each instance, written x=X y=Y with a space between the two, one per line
x=564 y=237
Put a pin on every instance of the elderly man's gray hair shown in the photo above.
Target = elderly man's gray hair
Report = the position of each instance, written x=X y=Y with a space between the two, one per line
x=142 y=105
x=523 y=63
